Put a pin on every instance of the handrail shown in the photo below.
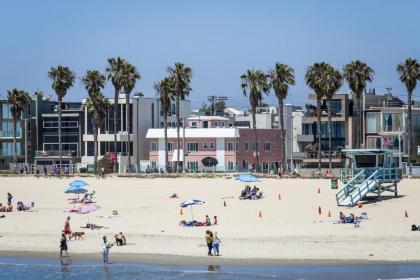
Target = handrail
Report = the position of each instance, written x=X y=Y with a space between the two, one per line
x=345 y=188
x=360 y=190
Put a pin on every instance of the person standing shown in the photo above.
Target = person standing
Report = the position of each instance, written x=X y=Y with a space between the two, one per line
x=9 y=198
x=67 y=230
x=209 y=241
x=105 y=249
x=63 y=245
x=45 y=171
x=216 y=244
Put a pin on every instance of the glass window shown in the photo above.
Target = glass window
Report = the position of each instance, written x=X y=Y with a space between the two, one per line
x=211 y=145
x=230 y=146
x=230 y=165
x=267 y=146
x=392 y=122
x=154 y=146
x=246 y=146
x=373 y=122
x=373 y=142
x=170 y=146
x=192 y=165
x=204 y=145
x=7 y=149
x=6 y=115
x=192 y=146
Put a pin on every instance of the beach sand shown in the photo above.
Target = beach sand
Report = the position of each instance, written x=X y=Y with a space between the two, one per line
x=290 y=228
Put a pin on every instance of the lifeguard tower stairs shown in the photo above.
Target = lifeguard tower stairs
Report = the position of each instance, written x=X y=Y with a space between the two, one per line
x=372 y=172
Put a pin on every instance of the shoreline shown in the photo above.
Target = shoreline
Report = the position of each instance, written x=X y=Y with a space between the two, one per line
x=162 y=259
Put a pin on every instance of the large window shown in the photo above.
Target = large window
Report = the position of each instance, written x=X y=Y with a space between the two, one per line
x=192 y=146
x=7 y=129
x=230 y=146
x=7 y=149
x=337 y=130
x=267 y=146
x=373 y=142
x=6 y=115
x=170 y=146
x=335 y=106
x=154 y=146
x=392 y=122
x=373 y=122
x=192 y=165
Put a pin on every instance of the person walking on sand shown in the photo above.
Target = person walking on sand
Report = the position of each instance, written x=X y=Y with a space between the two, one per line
x=105 y=249
x=63 y=245
x=67 y=229
x=216 y=244
x=209 y=241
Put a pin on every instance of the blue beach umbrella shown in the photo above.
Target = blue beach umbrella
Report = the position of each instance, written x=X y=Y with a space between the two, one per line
x=247 y=178
x=76 y=189
x=191 y=203
x=78 y=183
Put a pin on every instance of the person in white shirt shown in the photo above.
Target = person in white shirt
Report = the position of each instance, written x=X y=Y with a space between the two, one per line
x=105 y=249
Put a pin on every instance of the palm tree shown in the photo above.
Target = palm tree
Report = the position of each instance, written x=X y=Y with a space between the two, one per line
x=314 y=76
x=330 y=85
x=114 y=71
x=97 y=105
x=280 y=78
x=18 y=100
x=130 y=75
x=409 y=75
x=181 y=76
x=256 y=83
x=62 y=79
x=357 y=74
x=165 y=90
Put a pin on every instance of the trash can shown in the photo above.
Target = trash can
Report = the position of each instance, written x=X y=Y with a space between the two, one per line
x=334 y=183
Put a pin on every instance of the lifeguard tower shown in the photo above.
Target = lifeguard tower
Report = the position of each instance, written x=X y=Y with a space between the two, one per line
x=372 y=171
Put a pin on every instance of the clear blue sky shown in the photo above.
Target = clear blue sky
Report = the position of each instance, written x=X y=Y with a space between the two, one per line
x=218 y=39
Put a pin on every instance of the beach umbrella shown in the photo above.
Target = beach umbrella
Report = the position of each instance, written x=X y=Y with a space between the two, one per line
x=78 y=183
x=88 y=208
x=191 y=203
x=76 y=189
x=247 y=178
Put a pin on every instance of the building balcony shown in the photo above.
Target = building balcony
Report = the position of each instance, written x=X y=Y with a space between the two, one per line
x=299 y=155
x=305 y=138
x=56 y=153
x=313 y=157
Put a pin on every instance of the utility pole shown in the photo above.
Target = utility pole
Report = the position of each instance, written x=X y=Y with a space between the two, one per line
x=213 y=99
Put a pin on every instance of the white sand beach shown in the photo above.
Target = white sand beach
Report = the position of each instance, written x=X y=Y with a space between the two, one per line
x=290 y=227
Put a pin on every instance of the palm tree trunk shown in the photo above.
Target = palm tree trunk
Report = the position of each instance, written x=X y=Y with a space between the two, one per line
x=127 y=120
x=95 y=147
x=356 y=129
x=362 y=125
x=60 y=100
x=14 y=145
x=254 y=125
x=318 y=128
x=115 y=129
x=177 y=133
x=329 y=135
x=281 y=126
x=409 y=142
x=165 y=127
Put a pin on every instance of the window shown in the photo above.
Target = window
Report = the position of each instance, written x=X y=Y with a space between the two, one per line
x=194 y=124
x=274 y=145
x=392 y=122
x=154 y=146
x=222 y=124
x=6 y=115
x=254 y=147
x=373 y=142
x=246 y=146
x=192 y=165
x=192 y=146
x=7 y=129
x=373 y=122
x=170 y=146
x=7 y=149
x=205 y=145
x=230 y=165
x=267 y=146
x=236 y=146
x=230 y=146
x=211 y=145
x=215 y=124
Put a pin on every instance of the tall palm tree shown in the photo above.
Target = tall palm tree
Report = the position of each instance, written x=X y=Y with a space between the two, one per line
x=62 y=80
x=94 y=82
x=314 y=76
x=165 y=89
x=280 y=78
x=97 y=105
x=409 y=75
x=330 y=85
x=256 y=83
x=357 y=74
x=18 y=100
x=130 y=75
x=114 y=72
x=181 y=76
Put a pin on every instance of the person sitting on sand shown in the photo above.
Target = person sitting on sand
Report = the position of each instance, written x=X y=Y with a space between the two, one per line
x=21 y=207
x=2 y=208
x=215 y=221
x=8 y=207
x=120 y=239
x=208 y=221
x=342 y=217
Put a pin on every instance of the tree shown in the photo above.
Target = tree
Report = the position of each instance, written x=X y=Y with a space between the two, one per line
x=256 y=83
x=314 y=77
x=357 y=74
x=97 y=106
x=62 y=80
x=218 y=106
x=114 y=72
x=280 y=78
x=409 y=75
x=165 y=89
x=330 y=85
x=130 y=75
x=18 y=100
x=181 y=76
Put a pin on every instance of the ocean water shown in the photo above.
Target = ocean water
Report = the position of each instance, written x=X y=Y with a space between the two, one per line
x=37 y=269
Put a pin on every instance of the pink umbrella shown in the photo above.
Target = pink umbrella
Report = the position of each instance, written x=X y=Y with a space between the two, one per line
x=87 y=208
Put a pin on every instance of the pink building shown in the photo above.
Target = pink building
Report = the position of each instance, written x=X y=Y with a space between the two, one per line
x=210 y=140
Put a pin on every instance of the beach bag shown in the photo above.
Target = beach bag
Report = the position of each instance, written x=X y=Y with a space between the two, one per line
x=414 y=228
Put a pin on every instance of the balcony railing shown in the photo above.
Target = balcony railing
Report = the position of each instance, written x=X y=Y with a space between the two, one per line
x=56 y=153
x=305 y=137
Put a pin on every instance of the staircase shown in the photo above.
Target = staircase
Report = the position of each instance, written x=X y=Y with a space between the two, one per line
x=357 y=187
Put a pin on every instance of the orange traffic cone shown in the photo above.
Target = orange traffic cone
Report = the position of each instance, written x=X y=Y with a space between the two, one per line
x=224 y=203
x=180 y=212
x=406 y=214
x=260 y=214
x=319 y=190
x=319 y=210
x=279 y=196
x=329 y=213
